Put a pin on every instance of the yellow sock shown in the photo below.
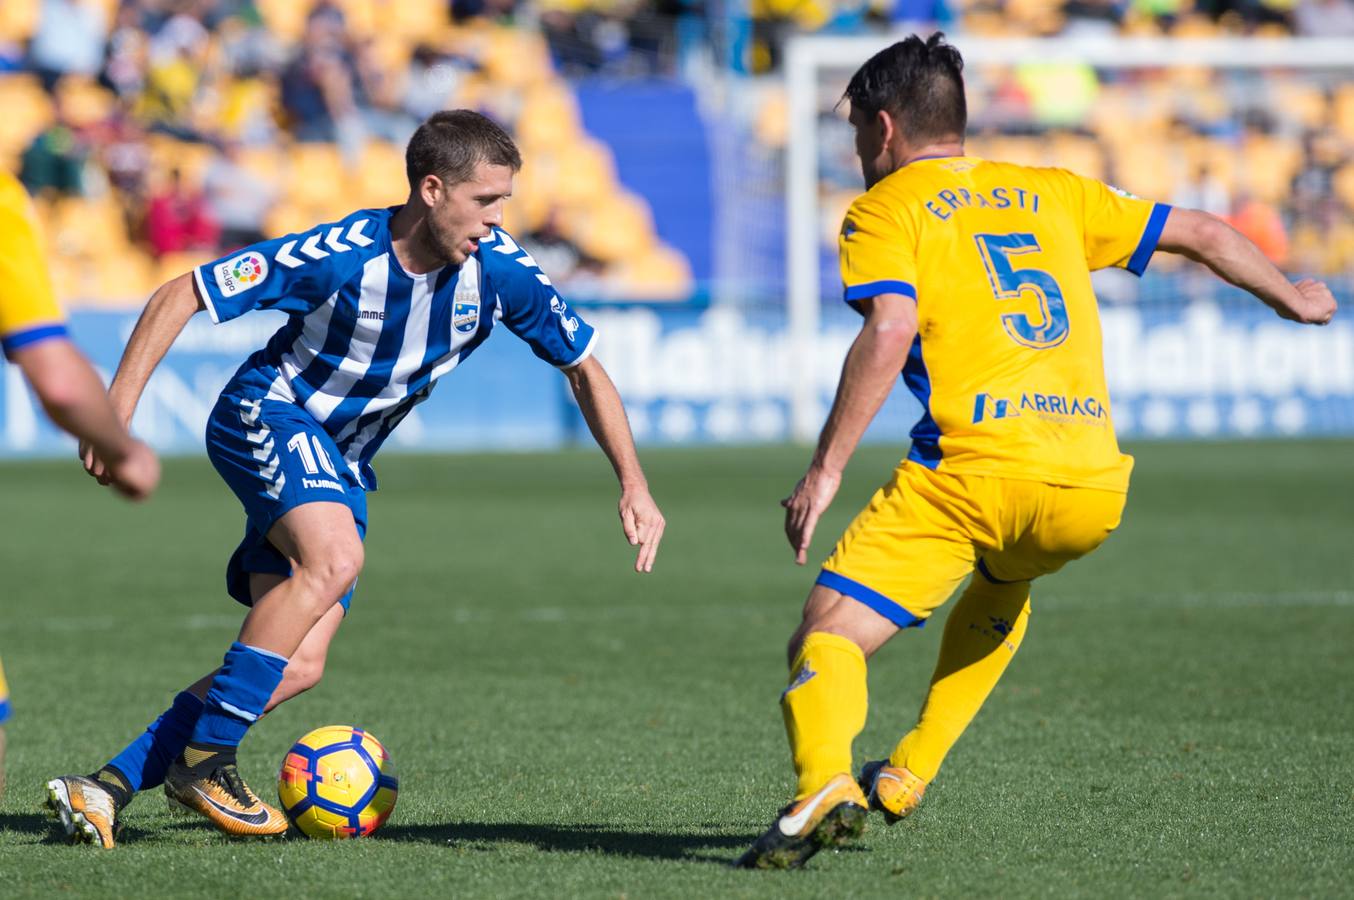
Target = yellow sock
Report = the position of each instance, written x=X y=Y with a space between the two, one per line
x=824 y=708
x=983 y=632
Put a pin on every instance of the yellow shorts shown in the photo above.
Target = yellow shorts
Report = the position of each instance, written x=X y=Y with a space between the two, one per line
x=924 y=532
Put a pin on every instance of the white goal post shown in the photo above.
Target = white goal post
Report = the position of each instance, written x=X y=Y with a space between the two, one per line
x=807 y=55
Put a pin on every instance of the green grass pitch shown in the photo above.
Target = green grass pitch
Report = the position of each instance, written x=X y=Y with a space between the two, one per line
x=1178 y=722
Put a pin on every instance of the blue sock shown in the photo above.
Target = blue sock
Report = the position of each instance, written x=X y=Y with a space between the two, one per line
x=143 y=762
x=238 y=695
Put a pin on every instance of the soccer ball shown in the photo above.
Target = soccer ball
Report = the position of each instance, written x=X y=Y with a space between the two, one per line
x=337 y=782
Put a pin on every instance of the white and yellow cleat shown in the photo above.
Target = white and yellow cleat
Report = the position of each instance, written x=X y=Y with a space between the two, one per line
x=85 y=809
x=220 y=794
x=893 y=790
x=830 y=817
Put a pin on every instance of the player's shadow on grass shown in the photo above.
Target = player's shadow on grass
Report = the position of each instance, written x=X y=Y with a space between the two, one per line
x=576 y=838
x=27 y=823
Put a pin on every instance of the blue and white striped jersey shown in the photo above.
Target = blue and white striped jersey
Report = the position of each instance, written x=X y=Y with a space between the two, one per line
x=367 y=340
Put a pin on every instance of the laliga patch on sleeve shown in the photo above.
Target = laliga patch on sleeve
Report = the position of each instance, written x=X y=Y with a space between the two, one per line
x=240 y=273
x=1123 y=193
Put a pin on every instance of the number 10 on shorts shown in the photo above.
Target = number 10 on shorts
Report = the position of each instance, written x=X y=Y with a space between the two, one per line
x=311 y=460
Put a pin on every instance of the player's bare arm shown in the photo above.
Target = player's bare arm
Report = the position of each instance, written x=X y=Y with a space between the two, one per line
x=73 y=396
x=1207 y=239
x=165 y=315
x=872 y=365
x=601 y=406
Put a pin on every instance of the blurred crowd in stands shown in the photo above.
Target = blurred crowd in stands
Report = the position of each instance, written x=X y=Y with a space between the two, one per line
x=1270 y=151
x=154 y=134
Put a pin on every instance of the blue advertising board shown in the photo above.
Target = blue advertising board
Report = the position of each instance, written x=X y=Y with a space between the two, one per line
x=1210 y=368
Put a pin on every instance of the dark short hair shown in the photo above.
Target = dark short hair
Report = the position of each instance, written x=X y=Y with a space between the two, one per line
x=452 y=143
x=919 y=82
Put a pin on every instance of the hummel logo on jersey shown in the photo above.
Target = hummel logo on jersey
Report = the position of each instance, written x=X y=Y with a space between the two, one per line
x=335 y=240
x=378 y=314
x=241 y=273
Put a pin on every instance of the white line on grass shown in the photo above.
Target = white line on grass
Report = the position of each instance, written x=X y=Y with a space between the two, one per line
x=553 y=615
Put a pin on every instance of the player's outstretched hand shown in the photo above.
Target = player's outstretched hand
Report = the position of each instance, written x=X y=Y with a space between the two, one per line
x=136 y=475
x=643 y=524
x=806 y=503
x=1318 y=304
x=93 y=464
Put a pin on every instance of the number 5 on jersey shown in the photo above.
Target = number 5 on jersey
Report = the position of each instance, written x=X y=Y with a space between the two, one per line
x=1010 y=283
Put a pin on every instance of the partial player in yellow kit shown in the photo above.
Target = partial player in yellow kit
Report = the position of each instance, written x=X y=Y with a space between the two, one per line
x=974 y=279
x=33 y=336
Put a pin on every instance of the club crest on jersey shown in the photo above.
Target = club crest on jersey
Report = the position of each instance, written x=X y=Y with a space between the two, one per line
x=240 y=273
x=465 y=313
x=567 y=322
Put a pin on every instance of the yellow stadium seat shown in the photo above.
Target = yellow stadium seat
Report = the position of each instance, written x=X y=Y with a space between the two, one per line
x=416 y=19
x=19 y=21
x=1343 y=113
x=618 y=227
x=549 y=116
x=1299 y=101
x=1344 y=187
x=832 y=213
x=268 y=164
x=87 y=228
x=167 y=154
x=381 y=177
x=362 y=16
x=1217 y=157
x=315 y=174
x=1268 y=165
x=1194 y=26
x=516 y=58
x=288 y=218
x=1081 y=154
x=27 y=111
x=172 y=265
x=284 y=19
x=84 y=101
x=1148 y=170
x=578 y=174
x=772 y=125
x=122 y=281
x=1024 y=151
x=660 y=274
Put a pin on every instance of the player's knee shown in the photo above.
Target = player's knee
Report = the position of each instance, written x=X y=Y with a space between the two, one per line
x=302 y=674
x=334 y=573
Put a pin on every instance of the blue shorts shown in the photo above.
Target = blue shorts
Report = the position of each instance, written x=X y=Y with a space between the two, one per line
x=275 y=457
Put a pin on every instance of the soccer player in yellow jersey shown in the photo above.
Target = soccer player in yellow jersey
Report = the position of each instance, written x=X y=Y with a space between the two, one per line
x=973 y=277
x=33 y=335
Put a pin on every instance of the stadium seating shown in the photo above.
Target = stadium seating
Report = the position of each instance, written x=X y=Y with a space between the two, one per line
x=569 y=178
x=1178 y=135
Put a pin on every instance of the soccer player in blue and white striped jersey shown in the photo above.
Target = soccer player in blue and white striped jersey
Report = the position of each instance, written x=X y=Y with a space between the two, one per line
x=381 y=304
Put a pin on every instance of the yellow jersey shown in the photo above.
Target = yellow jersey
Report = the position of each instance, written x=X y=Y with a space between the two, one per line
x=1008 y=362
x=28 y=309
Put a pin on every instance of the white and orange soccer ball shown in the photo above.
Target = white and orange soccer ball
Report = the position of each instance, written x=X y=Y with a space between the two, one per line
x=337 y=782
